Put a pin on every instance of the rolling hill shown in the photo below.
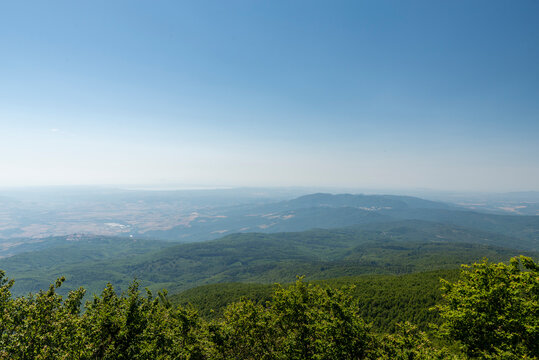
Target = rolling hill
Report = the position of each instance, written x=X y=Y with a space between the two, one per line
x=327 y=211
x=385 y=248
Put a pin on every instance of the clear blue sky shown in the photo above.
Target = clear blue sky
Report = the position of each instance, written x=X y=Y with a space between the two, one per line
x=396 y=94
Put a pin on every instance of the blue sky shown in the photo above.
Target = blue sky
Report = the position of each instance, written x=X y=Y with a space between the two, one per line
x=380 y=94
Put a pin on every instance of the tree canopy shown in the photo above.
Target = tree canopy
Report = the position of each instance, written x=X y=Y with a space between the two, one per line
x=491 y=312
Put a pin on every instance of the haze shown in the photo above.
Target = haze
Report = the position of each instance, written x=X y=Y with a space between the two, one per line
x=385 y=94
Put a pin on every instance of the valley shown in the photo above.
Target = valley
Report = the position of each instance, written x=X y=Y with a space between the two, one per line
x=390 y=251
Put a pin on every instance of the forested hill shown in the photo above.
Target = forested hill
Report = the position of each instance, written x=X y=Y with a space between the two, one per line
x=390 y=248
x=522 y=227
x=384 y=300
x=327 y=211
x=489 y=313
x=394 y=252
x=369 y=202
x=303 y=213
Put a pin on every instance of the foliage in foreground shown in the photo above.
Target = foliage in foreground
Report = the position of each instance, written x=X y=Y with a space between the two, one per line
x=494 y=309
x=383 y=300
x=492 y=312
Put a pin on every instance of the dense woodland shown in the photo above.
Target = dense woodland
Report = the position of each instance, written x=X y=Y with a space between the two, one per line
x=372 y=290
x=382 y=300
x=491 y=310
x=383 y=248
x=200 y=180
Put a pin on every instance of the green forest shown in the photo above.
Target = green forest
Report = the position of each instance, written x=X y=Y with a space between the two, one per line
x=402 y=283
x=382 y=300
x=487 y=310
x=269 y=180
x=394 y=248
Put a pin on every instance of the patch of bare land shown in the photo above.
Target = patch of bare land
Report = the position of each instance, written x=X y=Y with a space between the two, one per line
x=41 y=213
x=100 y=219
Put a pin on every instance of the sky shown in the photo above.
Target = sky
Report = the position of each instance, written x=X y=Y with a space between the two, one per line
x=381 y=94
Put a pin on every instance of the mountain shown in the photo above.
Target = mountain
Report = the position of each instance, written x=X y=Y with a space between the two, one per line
x=319 y=235
x=326 y=211
x=319 y=210
x=199 y=216
x=366 y=202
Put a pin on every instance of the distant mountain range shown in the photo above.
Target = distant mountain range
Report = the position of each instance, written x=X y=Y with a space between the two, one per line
x=327 y=211
x=188 y=216
x=318 y=235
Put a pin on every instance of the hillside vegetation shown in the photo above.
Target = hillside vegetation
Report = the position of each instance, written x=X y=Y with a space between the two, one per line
x=383 y=300
x=492 y=312
x=391 y=248
x=371 y=289
x=326 y=211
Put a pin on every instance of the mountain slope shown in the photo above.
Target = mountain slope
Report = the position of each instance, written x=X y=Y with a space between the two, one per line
x=522 y=227
x=303 y=213
x=384 y=300
x=327 y=211
x=394 y=248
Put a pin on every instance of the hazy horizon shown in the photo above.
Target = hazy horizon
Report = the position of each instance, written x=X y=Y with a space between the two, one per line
x=427 y=193
x=360 y=95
